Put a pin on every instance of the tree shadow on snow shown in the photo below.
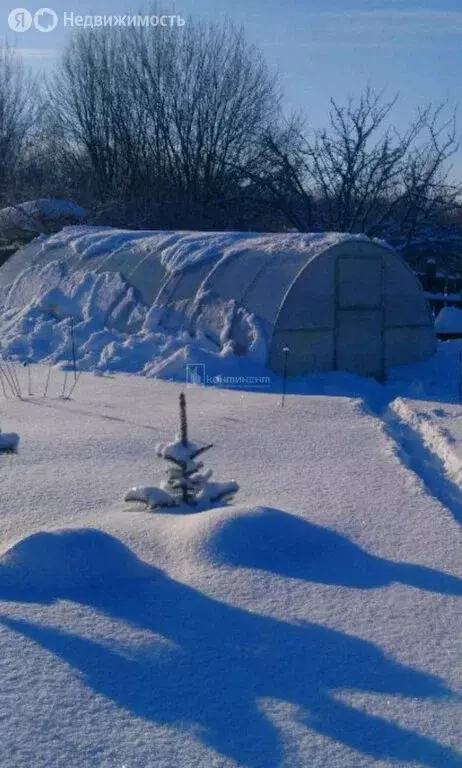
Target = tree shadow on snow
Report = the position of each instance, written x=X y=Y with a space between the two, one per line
x=290 y=546
x=221 y=662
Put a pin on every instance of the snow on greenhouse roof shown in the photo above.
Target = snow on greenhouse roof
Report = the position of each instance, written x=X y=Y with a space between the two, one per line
x=180 y=250
x=168 y=267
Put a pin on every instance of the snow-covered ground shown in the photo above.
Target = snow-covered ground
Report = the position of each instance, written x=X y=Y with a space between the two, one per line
x=315 y=623
x=31 y=215
x=449 y=320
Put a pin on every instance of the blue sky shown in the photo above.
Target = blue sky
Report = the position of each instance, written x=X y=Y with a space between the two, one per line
x=321 y=48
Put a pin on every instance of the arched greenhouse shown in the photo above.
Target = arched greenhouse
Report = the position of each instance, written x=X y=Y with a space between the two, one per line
x=338 y=302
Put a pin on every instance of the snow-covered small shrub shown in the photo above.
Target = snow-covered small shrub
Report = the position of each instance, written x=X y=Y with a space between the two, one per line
x=8 y=442
x=187 y=486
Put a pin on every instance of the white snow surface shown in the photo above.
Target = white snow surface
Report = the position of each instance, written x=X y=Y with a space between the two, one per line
x=180 y=250
x=449 y=320
x=72 y=558
x=113 y=329
x=316 y=623
x=29 y=215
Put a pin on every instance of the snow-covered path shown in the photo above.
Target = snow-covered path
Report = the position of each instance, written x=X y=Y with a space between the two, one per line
x=322 y=630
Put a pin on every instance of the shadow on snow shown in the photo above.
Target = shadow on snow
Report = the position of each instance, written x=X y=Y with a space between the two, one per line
x=225 y=660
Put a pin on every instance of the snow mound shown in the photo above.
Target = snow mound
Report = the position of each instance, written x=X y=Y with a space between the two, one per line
x=113 y=329
x=449 y=320
x=9 y=442
x=256 y=537
x=278 y=542
x=263 y=538
x=31 y=215
x=71 y=558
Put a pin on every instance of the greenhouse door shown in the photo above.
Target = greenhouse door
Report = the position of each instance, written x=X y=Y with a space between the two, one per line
x=359 y=317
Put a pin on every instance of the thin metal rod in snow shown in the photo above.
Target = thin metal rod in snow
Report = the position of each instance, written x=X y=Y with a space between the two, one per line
x=286 y=351
x=6 y=379
x=2 y=382
x=47 y=383
x=63 y=394
x=10 y=379
x=72 y=389
x=74 y=359
x=14 y=376
x=29 y=378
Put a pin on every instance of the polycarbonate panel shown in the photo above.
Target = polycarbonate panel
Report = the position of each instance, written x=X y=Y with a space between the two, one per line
x=359 y=281
x=189 y=282
x=404 y=300
x=310 y=301
x=148 y=277
x=265 y=295
x=122 y=260
x=359 y=342
x=309 y=352
x=233 y=277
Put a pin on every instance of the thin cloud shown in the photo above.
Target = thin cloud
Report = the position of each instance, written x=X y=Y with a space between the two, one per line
x=379 y=28
x=403 y=22
x=393 y=15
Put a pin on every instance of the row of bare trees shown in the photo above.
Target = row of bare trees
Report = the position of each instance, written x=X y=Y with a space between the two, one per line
x=361 y=175
x=185 y=129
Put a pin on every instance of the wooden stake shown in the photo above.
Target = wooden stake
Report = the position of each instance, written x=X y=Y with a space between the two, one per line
x=183 y=420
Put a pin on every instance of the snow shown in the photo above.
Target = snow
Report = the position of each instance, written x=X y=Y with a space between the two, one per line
x=152 y=497
x=186 y=487
x=8 y=442
x=178 y=451
x=113 y=329
x=315 y=623
x=28 y=216
x=449 y=320
x=178 y=251
x=71 y=558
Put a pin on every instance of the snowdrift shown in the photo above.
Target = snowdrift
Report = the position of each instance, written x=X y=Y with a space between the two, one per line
x=9 y=442
x=114 y=329
x=33 y=215
x=449 y=321
x=70 y=558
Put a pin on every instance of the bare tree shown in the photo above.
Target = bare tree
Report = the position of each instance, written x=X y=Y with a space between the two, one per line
x=168 y=120
x=361 y=174
x=210 y=97
x=19 y=111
